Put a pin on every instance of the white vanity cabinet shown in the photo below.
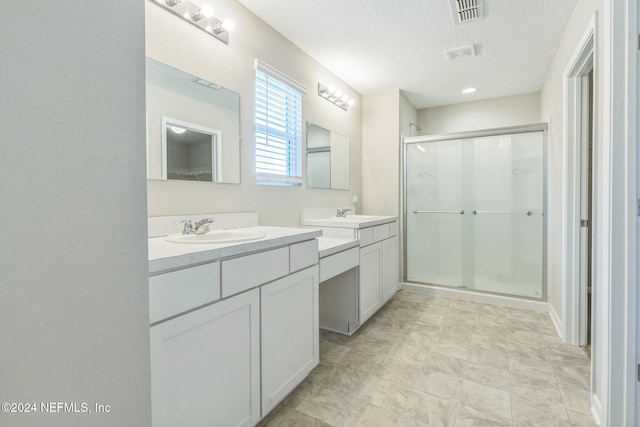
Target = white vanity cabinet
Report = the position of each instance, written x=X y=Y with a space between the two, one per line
x=389 y=263
x=378 y=267
x=205 y=365
x=232 y=337
x=290 y=334
x=370 y=280
x=348 y=298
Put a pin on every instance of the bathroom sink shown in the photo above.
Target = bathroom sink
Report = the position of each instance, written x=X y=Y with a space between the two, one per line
x=356 y=218
x=216 y=236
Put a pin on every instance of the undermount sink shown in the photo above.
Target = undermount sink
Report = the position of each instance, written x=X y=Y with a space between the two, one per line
x=216 y=236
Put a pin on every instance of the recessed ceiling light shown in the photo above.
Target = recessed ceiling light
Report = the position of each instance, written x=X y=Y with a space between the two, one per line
x=469 y=90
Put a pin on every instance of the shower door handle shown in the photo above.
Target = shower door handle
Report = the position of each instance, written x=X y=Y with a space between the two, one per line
x=527 y=213
x=461 y=212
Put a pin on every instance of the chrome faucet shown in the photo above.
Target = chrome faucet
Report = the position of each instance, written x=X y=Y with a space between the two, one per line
x=341 y=213
x=188 y=226
x=199 y=227
x=202 y=226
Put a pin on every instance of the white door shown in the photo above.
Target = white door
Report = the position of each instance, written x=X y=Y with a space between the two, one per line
x=205 y=366
x=290 y=334
x=370 y=280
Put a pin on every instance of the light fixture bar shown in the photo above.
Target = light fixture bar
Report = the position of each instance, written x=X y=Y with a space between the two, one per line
x=200 y=16
x=335 y=96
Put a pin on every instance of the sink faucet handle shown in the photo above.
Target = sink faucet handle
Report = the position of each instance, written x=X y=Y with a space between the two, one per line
x=341 y=213
x=202 y=226
x=188 y=226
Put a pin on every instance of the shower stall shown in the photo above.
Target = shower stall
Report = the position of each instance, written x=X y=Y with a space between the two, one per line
x=474 y=211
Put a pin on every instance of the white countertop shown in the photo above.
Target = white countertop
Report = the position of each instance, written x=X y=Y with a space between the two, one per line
x=332 y=245
x=350 y=221
x=165 y=256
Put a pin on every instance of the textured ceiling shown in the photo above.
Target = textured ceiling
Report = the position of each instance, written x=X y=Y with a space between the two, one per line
x=376 y=45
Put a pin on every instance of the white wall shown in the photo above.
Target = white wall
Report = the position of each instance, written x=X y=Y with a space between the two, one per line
x=486 y=114
x=408 y=114
x=381 y=153
x=73 y=286
x=181 y=45
x=552 y=110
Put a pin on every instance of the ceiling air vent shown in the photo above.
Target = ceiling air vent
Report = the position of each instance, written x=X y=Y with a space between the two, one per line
x=466 y=10
x=459 y=52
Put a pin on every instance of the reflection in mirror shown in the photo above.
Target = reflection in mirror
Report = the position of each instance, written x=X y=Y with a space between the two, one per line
x=191 y=151
x=328 y=159
x=209 y=149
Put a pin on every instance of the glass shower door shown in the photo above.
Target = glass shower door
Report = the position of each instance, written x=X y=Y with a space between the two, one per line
x=474 y=213
x=435 y=213
x=507 y=214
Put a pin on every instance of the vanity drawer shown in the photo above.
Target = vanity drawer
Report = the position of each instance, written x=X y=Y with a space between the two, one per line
x=380 y=232
x=246 y=272
x=179 y=291
x=366 y=236
x=303 y=255
x=393 y=228
x=338 y=263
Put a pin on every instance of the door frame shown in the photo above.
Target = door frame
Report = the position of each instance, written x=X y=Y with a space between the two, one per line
x=619 y=275
x=574 y=293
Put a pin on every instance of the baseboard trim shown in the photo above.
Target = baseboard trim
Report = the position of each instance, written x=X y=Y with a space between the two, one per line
x=557 y=323
x=505 y=301
x=596 y=410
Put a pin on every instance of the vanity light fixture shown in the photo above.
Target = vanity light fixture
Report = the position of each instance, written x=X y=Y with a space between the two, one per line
x=335 y=96
x=200 y=16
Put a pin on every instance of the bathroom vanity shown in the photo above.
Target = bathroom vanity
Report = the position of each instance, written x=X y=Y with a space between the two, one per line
x=350 y=298
x=234 y=325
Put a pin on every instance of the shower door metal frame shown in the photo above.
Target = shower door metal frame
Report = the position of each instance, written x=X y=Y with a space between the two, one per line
x=537 y=127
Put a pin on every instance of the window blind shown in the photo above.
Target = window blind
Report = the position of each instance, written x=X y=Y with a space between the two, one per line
x=278 y=128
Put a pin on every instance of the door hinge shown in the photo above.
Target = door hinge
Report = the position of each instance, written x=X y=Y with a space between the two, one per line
x=638 y=373
x=584 y=223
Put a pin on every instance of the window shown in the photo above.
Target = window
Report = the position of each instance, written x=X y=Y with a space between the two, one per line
x=278 y=127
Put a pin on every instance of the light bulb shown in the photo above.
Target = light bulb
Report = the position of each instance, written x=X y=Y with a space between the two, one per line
x=171 y=3
x=344 y=99
x=228 y=24
x=178 y=130
x=338 y=94
x=206 y=11
x=331 y=90
x=351 y=102
x=469 y=90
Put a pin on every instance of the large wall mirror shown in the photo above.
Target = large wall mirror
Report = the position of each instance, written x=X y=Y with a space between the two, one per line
x=328 y=159
x=193 y=127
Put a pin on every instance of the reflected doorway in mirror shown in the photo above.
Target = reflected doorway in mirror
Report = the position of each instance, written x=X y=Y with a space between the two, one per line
x=190 y=152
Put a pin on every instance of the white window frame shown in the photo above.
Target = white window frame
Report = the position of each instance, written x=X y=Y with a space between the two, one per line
x=284 y=142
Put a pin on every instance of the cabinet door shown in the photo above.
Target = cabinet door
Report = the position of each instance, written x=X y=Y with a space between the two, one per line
x=290 y=334
x=389 y=268
x=205 y=365
x=370 y=280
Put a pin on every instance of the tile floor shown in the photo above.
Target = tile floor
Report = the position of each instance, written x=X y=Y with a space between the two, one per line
x=435 y=361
